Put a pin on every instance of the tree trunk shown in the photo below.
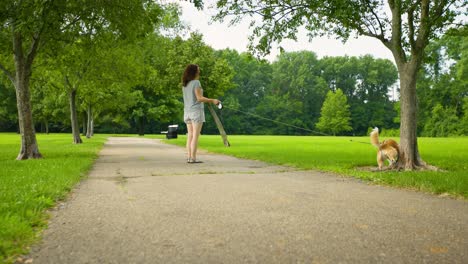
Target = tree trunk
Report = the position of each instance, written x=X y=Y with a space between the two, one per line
x=29 y=148
x=408 y=67
x=74 y=118
x=92 y=125
x=408 y=139
x=141 y=126
x=47 y=127
x=89 y=123
x=84 y=124
x=409 y=157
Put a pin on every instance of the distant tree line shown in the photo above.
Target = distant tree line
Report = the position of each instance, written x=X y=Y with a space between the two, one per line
x=293 y=88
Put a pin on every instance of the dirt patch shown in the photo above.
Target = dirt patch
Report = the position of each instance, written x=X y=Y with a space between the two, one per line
x=368 y=168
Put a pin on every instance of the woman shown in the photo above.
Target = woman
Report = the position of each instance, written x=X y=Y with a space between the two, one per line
x=194 y=114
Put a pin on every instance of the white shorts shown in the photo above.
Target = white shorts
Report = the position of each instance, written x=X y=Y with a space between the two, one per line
x=194 y=116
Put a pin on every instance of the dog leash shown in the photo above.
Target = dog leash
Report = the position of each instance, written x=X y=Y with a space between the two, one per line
x=220 y=107
x=274 y=121
x=359 y=142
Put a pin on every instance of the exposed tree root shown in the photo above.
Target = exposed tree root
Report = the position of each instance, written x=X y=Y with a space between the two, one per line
x=77 y=140
x=422 y=166
x=397 y=168
x=24 y=156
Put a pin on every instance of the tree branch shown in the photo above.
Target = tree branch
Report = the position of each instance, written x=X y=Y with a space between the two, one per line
x=378 y=20
x=17 y=46
x=32 y=51
x=68 y=83
x=366 y=23
x=440 y=11
x=73 y=22
x=55 y=85
x=395 y=43
x=36 y=38
x=81 y=74
x=424 y=28
x=373 y=35
x=411 y=25
x=8 y=74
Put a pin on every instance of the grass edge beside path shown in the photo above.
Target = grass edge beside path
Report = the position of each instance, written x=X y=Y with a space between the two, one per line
x=345 y=155
x=29 y=188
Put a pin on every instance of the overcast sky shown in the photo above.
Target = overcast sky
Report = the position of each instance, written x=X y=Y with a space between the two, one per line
x=221 y=36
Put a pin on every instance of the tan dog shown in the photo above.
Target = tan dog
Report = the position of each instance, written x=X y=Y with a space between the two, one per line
x=388 y=149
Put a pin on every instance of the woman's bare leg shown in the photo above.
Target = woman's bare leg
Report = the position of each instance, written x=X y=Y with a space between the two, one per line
x=189 y=140
x=196 y=128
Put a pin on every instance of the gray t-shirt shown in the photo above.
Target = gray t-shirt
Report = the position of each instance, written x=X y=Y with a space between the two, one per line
x=193 y=110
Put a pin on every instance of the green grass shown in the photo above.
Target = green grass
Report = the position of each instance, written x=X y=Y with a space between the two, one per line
x=29 y=187
x=343 y=156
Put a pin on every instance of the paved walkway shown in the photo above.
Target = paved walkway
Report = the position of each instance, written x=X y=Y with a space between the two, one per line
x=143 y=204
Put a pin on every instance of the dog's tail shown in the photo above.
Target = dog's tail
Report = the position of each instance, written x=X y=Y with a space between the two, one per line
x=374 y=137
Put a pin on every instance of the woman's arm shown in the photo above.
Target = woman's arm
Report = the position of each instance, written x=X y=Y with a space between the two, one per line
x=201 y=98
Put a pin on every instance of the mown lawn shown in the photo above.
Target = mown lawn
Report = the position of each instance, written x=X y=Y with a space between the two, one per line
x=29 y=187
x=347 y=156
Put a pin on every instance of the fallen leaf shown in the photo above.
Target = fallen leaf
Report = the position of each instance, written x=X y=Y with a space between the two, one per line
x=439 y=250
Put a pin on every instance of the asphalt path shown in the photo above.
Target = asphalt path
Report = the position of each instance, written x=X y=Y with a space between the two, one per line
x=142 y=203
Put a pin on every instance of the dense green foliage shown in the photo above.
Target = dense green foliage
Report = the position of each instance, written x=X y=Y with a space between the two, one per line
x=29 y=187
x=132 y=85
x=443 y=86
x=347 y=156
x=292 y=90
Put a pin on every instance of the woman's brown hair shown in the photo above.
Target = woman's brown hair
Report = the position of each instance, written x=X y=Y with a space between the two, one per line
x=190 y=73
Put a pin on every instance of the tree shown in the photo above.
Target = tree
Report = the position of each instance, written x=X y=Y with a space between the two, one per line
x=442 y=123
x=252 y=79
x=404 y=27
x=26 y=27
x=442 y=80
x=366 y=82
x=156 y=96
x=108 y=92
x=298 y=75
x=66 y=71
x=48 y=103
x=335 y=116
